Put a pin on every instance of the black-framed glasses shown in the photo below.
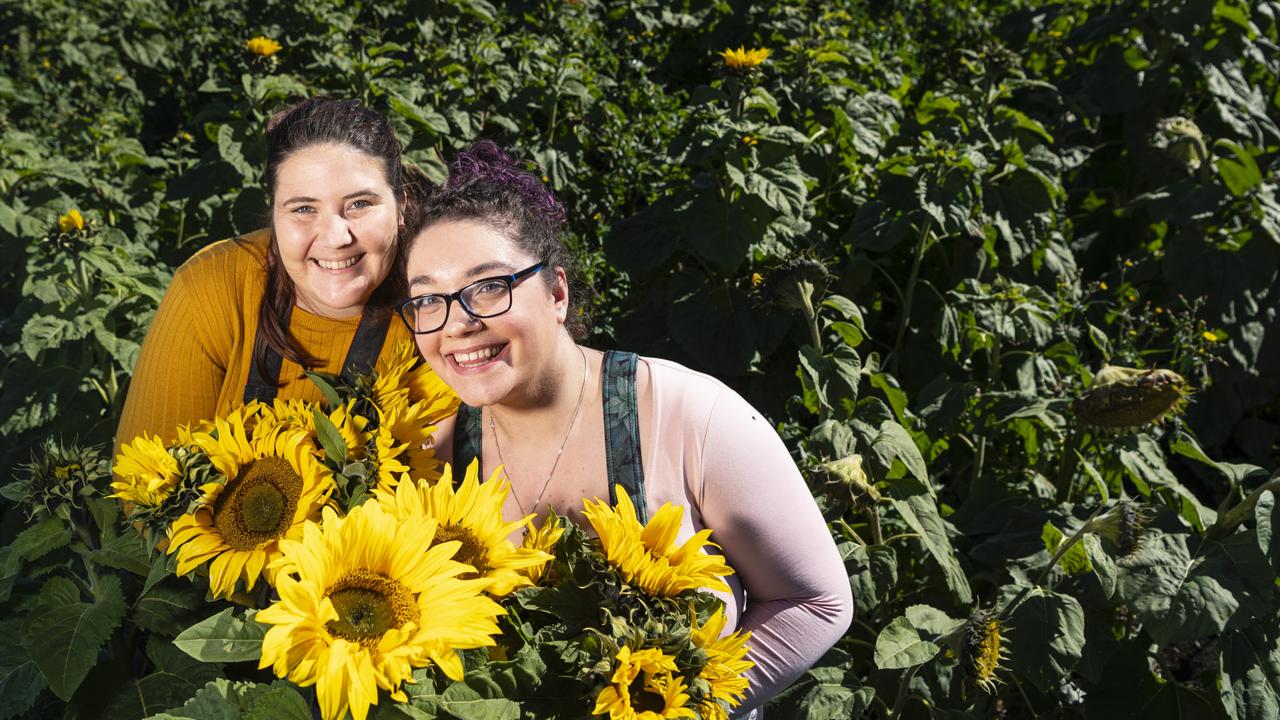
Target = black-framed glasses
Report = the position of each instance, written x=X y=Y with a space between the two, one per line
x=484 y=298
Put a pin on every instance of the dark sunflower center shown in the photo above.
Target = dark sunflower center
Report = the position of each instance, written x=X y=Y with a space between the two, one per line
x=369 y=605
x=645 y=700
x=473 y=552
x=258 y=504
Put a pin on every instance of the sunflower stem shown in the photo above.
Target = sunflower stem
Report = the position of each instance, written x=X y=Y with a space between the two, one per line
x=1076 y=537
x=873 y=519
x=1230 y=520
x=901 y=701
x=922 y=244
x=811 y=316
x=1065 y=481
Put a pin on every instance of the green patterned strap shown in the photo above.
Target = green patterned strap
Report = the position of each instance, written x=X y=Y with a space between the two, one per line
x=467 y=439
x=622 y=429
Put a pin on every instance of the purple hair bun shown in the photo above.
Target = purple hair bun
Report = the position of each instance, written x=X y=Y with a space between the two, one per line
x=487 y=163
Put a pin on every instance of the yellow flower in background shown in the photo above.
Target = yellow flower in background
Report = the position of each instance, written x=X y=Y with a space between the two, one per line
x=263 y=46
x=272 y=488
x=472 y=515
x=148 y=473
x=542 y=539
x=644 y=686
x=410 y=400
x=744 y=59
x=726 y=663
x=757 y=279
x=1211 y=336
x=749 y=140
x=72 y=221
x=364 y=600
x=647 y=555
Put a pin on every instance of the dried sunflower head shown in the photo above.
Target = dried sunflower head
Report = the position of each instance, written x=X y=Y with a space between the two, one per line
x=1124 y=525
x=794 y=284
x=1122 y=399
x=1180 y=140
x=983 y=646
x=847 y=474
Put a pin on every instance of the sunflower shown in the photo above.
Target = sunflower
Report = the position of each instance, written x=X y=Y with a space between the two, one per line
x=403 y=372
x=472 y=515
x=982 y=648
x=148 y=473
x=272 y=486
x=644 y=686
x=726 y=663
x=262 y=46
x=284 y=416
x=647 y=555
x=743 y=59
x=362 y=604
x=542 y=539
x=71 y=221
x=410 y=400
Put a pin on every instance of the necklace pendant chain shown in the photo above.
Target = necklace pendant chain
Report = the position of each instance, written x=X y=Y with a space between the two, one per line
x=569 y=429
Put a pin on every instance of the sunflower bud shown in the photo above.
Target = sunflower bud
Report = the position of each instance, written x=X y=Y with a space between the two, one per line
x=1124 y=525
x=57 y=477
x=1123 y=398
x=1180 y=140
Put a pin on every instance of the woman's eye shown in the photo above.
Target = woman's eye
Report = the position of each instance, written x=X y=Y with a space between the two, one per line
x=491 y=287
x=361 y=204
x=303 y=210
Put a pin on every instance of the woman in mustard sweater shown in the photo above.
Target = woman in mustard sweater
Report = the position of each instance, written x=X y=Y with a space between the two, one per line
x=244 y=317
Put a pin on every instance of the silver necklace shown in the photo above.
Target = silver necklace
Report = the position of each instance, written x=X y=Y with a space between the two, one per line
x=546 y=483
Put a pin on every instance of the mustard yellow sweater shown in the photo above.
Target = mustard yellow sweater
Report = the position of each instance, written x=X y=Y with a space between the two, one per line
x=196 y=357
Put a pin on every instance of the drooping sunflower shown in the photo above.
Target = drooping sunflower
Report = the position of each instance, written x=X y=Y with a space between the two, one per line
x=472 y=515
x=147 y=472
x=402 y=371
x=983 y=647
x=726 y=663
x=647 y=555
x=284 y=416
x=272 y=486
x=365 y=599
x=644 y=686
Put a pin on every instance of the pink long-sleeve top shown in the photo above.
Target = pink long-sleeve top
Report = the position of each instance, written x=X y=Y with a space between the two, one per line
x=706 y=448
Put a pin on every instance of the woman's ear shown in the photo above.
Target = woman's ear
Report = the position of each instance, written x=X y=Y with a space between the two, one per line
x=560 y=293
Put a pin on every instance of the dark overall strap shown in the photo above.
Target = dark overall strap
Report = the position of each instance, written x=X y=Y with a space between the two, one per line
x=363 y=353
x=622 y=429
x=467 y=439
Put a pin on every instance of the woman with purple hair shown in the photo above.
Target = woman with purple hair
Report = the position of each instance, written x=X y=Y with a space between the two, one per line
x=568 y=422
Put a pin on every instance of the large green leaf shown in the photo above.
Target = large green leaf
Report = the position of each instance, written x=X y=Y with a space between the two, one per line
x=1046 y=637
x=64 y=639
x=1251 y=670
x=920 y=511
x=1178 y=596
x=464 y=701
x=20 y=678
x=223 y=699
x=225 y=637
x=899 y=645
x=36 y=541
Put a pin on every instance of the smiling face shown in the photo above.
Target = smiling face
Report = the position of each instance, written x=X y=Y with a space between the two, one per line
x=335 y=219
x=509 y=358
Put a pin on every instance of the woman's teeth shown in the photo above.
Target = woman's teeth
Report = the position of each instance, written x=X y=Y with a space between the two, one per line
x=476 y=357
x=337 y=264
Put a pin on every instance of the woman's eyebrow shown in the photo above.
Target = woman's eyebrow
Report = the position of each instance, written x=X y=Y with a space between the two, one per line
x=348 y=196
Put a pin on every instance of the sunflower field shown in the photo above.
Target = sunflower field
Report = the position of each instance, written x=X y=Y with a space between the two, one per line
x=1005 y=274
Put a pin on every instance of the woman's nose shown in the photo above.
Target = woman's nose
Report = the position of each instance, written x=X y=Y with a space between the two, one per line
x=336 y=232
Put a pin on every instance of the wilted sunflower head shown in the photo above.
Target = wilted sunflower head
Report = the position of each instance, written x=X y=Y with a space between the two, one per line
x=1124 y=525
x=1122 y=398
x=847 y=476
x=984 y=647
x=1181 y=140
x=794 y=284
x=57 y=477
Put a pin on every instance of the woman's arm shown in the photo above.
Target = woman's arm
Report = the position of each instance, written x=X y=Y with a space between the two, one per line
x=180 y=368
x=798 y=599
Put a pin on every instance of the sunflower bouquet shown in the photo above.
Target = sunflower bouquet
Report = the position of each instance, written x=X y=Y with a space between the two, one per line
x=373 y=580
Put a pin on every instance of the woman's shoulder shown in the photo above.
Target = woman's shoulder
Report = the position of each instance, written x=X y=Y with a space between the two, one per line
x=233 y=258
x=671 y=377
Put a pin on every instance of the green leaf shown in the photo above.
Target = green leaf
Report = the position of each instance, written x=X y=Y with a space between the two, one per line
x=1240 y=174
x=920 y=511
x=932 y=620
x=1046 y=637
x=1103 y=566
x=466 y=703
x=335 y=447
x=224 y=637
x=36 y=541
x=1250 y=662
x=894 y=443
x=20 y=678
x=831 y=697
x=331 y=397
x=126 y=551
x=64 y=639
x=1266 y=517
x=1181 y=597
x=279 y=703
x=169 y=607
x=899 y=645
x=1074 y=560
x=222 y=699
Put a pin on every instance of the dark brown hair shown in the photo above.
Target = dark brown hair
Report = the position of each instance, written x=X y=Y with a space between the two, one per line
x=315 y=121
x=486 y=185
